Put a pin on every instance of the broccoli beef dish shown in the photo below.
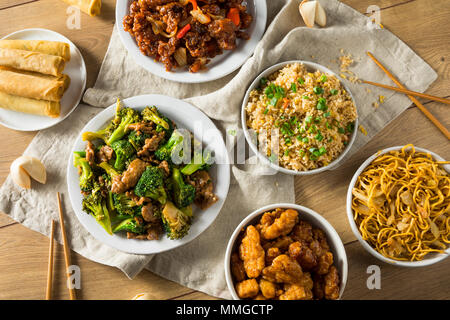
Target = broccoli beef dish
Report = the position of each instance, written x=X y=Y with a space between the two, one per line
x=187 y=33
x=134 y=180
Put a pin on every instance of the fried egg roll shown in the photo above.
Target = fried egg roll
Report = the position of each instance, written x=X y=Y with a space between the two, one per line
x=54 y=48
x=91 y=7
x=32 y=61
x=31 y=86
x=37 y=107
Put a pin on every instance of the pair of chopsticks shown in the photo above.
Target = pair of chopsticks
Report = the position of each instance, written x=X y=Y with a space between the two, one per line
x=48 y=295
x=411 y=95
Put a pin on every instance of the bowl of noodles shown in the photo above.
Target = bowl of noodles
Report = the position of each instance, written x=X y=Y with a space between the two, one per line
x=398 y=206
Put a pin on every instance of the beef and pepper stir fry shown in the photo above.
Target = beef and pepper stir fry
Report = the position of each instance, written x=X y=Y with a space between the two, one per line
x=133 y=180
x=187 y=32
x=285 y=258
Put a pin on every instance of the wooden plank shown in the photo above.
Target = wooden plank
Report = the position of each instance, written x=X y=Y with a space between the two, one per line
x=23 y=259
x=92 y=38
x=329 y=199
x=6 y=4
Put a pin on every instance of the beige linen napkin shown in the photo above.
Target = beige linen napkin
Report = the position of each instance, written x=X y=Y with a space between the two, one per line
x=199 y=264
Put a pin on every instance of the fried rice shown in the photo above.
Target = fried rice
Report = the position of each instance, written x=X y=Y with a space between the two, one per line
x=302 y=120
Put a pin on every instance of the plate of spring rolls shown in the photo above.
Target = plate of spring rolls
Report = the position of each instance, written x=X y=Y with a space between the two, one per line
x=42 y=79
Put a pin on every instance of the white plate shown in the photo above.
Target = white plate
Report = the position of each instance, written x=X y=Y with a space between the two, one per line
x=185 y=116
x=75 y=69
x=219 y=66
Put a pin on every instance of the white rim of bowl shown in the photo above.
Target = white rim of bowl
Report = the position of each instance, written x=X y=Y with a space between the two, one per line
x=248 y=219
x=83 y=66
x=128 y=42
x=310 y=65
x=364 y=243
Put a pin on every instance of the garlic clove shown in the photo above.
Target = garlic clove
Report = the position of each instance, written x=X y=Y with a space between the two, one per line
x=308 y=12
x=35 y=169
x=321 y=16
x=19 y=175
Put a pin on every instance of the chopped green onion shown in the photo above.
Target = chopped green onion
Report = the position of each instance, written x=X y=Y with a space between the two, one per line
x=323 y=78
x=327 y=125
x=267 y=110
x=301 y=81
x=305 y=97
x=319 y=137
x=288 y=141
x=334 y=92
x=308 y=119
x=327 y=114
x=318 y=90
x=263 y=81
x=350 y=127
x=302 y=130
x=293 y=87
x=286 y=152
x=322 y=104
x=341 y=130
x=305 y=140
x=299 y=137
x=323 y=150
x=317 y=119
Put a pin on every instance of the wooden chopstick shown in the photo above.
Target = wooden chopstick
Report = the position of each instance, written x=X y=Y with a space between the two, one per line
x=409 y=92
x=413 y=99
x=48 y=295
x=66 y=246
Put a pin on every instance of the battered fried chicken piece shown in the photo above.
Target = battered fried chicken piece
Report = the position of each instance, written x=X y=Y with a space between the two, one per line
x=303 y=254
x=294 y=291
x=302 y=232
x=90 y=153
x=280 y=226
x=283 y=270
x=237 y=268
x=259 y=297
x=281 y=243
x=332 y=284
x=104 y=154
x=129 y=177
x=268 y=289
x=251 y=253
x=271 y=254
x=247 y=288
x=320 y=236
x=319 y=287
x=324 y=258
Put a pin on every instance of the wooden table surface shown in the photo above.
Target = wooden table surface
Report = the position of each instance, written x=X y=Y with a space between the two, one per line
x=422 y=24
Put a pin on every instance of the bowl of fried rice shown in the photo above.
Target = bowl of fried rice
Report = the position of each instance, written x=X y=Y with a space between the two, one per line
x=299 y=118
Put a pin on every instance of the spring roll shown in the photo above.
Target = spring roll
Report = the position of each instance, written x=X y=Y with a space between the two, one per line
x=37 y=107
x=54 y=48
x=30 y=86
x=32 y=61
x=91 y=7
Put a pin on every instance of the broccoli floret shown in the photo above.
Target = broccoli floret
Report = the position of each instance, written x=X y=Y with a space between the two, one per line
x=138 y=140
x=199 y=162
x=87 y=176
x=124 y=151
x=110 y=171
x=103 y=134
x=176 y=221
x=123 y=118
x=95 y=205
x=151 y=185
x=124 y=205
x=152 y=114
x=173 y=145
x=129 y=225
x=183 y=194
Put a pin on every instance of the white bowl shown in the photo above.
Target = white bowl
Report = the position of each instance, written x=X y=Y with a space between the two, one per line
x=185 y=116
x=310 y=66
x=306 y=214
x=219 y=67
x=429 y=259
